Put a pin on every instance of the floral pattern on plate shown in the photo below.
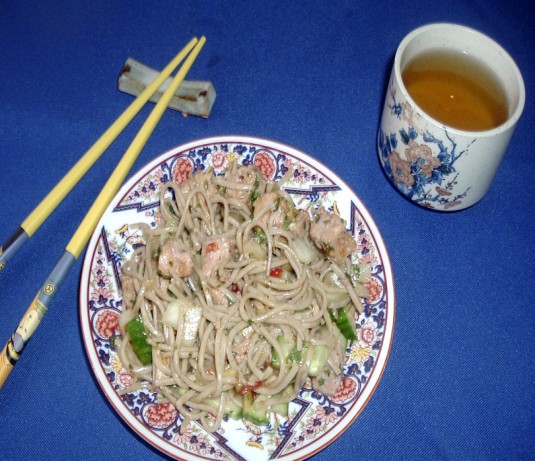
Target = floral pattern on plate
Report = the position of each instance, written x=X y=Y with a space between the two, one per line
x=314 y=420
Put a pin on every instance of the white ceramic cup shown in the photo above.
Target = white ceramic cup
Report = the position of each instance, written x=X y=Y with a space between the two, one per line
x=434 y=165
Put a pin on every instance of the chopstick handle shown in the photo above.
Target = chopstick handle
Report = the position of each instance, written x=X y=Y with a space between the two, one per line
x=32 y=318
x=12 y=245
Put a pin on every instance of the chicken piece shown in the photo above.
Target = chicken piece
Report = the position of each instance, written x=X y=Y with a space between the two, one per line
x=327 y=383
x=129 y=291
x=214 y=253
x=247 y=176
x=241 y=349
x=219 y=297
x=173 y=261
x=241 y=344
x=283 y=214
x=301 y=225
x=330 y=377
x=264 y=201
x=329 y=234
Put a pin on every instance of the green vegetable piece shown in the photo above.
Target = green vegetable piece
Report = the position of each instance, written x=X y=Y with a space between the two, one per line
x=138 y=337
x=232 y=409
x=291 y=354
x=320 y=355
x=256 y=414
x=260 y=236
x=282 y=409
x=254 y=194
x=344 y=323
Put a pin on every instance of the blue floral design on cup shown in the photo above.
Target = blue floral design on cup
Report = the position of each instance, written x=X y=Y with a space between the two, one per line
x=431 y=164
x=417 y=162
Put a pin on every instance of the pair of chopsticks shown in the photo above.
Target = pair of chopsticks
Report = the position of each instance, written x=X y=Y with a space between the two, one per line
x=39 y=306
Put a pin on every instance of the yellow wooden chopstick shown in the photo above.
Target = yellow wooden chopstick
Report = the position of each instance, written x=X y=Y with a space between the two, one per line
x=84 y=231
x=34 y=220
x=39 y=306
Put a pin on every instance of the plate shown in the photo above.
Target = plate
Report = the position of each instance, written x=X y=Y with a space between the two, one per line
x=314 y=420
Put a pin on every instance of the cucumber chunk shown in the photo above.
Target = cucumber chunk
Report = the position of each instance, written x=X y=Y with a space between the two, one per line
x=283 y=409
x=291 y=354
x=320 y=355
x=345 y=322
x=232 y=409
x=256 y=409
x=138 y=337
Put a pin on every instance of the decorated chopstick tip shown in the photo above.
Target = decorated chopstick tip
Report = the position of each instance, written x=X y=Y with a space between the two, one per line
x=193 y=97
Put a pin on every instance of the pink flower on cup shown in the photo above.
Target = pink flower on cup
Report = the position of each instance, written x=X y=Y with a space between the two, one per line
x=367 y=335
x=411 y=116
x=107 y=323
x=346 y=391
x=264 y=162
x=452 y=204
x=401 y=169
x=442 y=192
x=161 y=415
x=182 y=170
x=422 y=154
x=374 y=289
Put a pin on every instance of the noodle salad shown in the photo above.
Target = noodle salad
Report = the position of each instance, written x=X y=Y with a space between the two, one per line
x=238 y=298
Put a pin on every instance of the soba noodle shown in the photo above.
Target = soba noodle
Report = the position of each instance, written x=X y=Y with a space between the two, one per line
x=242 y=298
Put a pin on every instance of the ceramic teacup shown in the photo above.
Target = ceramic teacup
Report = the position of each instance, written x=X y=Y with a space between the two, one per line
x=435 y=165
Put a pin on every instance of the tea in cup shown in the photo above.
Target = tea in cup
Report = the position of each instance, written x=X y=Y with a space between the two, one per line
x=453 y=101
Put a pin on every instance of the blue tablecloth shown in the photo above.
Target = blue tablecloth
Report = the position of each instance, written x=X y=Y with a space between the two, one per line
x=460 y=379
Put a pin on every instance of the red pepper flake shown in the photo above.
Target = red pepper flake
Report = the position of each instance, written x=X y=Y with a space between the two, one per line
x=212 y=246
x=275 y=272
x=246 y=388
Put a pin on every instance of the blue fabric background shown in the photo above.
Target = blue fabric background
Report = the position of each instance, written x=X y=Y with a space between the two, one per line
x=459 y=384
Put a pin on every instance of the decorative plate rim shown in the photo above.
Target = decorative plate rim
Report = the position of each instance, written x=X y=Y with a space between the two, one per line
x=378 y=369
